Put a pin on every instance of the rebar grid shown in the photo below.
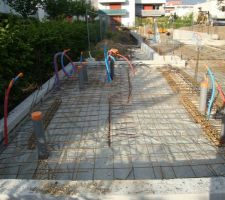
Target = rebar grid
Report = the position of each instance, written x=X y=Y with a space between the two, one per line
x=190 y=99
x=151 y=137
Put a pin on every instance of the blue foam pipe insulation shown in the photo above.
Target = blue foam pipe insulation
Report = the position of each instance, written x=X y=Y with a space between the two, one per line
x=56 y=67
x=210 y=103
x=113 y=58
x=107 y=64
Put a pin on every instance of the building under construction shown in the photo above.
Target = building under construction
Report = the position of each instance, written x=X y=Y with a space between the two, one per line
x=154 y=129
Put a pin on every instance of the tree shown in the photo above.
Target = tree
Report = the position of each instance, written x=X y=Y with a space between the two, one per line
x=24 y=7
x=56 y=8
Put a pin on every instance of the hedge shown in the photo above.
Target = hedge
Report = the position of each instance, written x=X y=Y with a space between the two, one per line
x=28 y=46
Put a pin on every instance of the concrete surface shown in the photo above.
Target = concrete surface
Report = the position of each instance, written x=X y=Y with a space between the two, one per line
x=21 y=111
x=179 y=189
x=152 y=135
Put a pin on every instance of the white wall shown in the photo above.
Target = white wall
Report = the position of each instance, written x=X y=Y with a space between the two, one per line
x=41 y=14
x=183 y=10
x=129 y=20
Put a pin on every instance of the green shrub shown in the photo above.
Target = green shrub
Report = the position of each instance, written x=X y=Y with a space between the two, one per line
x=28 y=46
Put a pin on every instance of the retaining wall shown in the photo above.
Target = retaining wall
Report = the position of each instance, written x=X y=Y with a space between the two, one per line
x=157 y=59
x=189 y=37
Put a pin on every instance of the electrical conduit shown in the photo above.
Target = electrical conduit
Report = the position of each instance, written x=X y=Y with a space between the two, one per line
x=210 y=103
x=6 y=101
x=69 y=75
x=107 y=64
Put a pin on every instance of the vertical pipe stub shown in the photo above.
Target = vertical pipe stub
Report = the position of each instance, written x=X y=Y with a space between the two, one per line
x=112 y=69
x=40 y=135
x=85 y=74
x=203 y=96
x=81 y=78
x=222 y=134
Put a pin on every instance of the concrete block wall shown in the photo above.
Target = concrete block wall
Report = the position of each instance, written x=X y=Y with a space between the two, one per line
x=137 y=37
x=144 y=47
x=148 y=51
x=157 y=59
x=190 y=37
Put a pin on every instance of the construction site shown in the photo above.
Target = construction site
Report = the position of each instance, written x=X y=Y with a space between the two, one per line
x=148 y=125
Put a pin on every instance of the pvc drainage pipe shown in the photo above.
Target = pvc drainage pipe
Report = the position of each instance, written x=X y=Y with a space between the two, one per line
x=203 y=96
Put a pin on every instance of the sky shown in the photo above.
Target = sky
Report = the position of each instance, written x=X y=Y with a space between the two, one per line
x=192 y=1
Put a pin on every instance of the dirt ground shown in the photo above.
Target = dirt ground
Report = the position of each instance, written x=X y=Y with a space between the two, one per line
x=209 y=55
x=220 y=30
x=120 y=39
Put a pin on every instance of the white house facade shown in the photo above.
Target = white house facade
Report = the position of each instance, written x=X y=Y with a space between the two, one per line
x=124 y=11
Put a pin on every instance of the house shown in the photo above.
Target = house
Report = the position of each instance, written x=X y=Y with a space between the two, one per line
x=171 y=6
x=124 y=11
x=181 y=7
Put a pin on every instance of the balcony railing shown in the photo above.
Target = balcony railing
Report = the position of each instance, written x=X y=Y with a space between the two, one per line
x=112 y=1
x=152 y=13
x=117 y=12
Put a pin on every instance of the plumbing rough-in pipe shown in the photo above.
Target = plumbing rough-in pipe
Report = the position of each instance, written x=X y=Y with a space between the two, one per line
x=6 y=101
x=68 y=74
x=219 y=88
x=203 y=96
x=40 y=135
x=210 y=103
x=63 y=54
x=56 y=68
x=115 y=52
x=106 y=57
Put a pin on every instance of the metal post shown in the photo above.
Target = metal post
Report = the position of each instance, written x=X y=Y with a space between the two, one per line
x=40 y=135
x=100 y=26
x=81 y=78
x=88 y=32
x=222 y=134
x=196 y=67
x=85 y=74
x=112 y=69
x=203 y=97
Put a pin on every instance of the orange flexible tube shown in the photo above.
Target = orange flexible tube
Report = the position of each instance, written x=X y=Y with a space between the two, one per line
x=219 y=88
x=125 y=58
x=115 y=52
x=6 y=101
